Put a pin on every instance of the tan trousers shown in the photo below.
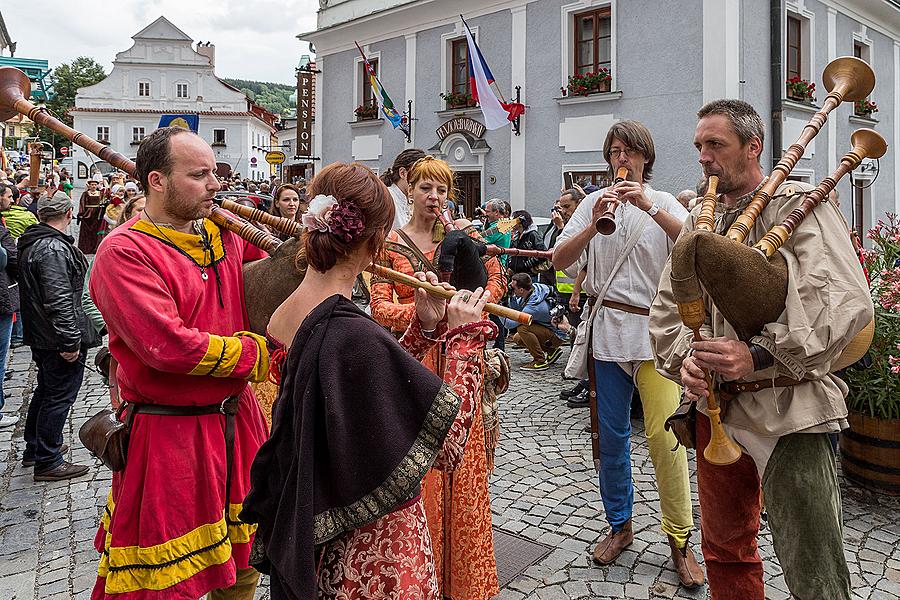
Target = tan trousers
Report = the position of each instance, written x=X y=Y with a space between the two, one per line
x=243 y=589
x=537 y=339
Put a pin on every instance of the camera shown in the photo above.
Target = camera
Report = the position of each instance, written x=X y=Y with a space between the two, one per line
x=558 y=311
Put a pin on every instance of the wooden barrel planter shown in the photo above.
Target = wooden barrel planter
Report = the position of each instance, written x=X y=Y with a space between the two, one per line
x=870 y=452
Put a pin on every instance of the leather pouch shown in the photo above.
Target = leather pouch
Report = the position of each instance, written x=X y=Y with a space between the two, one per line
x=683 y=423
x=107 y=438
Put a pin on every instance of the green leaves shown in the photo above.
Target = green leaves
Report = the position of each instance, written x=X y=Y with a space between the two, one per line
x=274 y=97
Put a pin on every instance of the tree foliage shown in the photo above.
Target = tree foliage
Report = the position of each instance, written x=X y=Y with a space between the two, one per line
x=274 y=97
x=66 y=79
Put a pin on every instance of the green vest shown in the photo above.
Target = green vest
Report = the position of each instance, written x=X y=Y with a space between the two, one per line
x=564 y=283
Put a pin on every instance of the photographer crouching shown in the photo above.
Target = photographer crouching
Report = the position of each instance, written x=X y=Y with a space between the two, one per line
x=541 y=338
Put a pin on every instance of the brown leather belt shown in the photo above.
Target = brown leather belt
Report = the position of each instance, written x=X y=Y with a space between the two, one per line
x=635 y=310
x=733 y=388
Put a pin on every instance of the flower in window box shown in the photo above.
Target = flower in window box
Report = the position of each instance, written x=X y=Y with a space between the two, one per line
x=588 y=83
x=801 y=90
x=458 y=100
x=366 y=111
x=864 y=108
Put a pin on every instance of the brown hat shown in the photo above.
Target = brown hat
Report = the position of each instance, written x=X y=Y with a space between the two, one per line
x=53 y=206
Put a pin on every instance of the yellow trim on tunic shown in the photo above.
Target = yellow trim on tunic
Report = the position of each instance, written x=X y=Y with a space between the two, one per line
x=189 y=243
x=261 y=369
x=223 y=354
x=135 y=568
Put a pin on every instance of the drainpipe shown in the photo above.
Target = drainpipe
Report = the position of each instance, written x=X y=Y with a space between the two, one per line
x=776 y=56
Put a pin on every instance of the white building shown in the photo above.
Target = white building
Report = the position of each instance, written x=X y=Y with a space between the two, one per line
x=164 y=74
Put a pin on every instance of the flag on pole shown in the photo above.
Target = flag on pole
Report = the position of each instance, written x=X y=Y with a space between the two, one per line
x=387 y=105
x=496 y=113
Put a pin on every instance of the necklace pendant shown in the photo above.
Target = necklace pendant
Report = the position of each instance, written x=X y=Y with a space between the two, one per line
x=204 y=276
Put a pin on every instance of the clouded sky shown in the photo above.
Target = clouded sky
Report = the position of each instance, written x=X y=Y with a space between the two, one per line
x=254 y=39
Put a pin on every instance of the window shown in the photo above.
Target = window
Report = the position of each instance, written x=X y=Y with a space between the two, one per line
x=144 y=88
x=862 y=51
x=593 y=41
x=794 y=47
x=137 y=134
x=858 y=215
x=368 y=94
x=459 y=67
x=103 y=134
x=218 y=137
x=181 y=90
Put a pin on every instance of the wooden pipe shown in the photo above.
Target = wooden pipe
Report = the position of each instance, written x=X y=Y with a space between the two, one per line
x=606 y=224
x=721 y=450
x=493 y=250
x=282 y=224
x=435 y=290
x=706 y=220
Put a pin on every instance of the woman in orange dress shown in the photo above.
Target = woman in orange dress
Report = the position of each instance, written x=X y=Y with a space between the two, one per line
x=457 y=506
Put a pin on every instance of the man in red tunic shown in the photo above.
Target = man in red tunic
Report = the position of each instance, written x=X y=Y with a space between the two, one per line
x=170 y=287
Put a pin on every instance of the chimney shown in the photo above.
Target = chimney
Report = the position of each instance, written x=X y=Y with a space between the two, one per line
x=208 y=50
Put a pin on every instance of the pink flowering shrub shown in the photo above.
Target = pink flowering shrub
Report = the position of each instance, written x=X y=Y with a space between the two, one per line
x=876 y=391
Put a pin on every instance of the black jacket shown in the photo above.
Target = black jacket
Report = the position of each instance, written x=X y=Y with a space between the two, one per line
x=51 y=284
x=529 y=240
x=9 y=289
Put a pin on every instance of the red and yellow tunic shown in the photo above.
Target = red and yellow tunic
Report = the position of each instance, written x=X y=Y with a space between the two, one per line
x=179 y=338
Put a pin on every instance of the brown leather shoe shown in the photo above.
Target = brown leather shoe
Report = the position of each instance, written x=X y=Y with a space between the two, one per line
x=610 y=547
x=689 y=571
x=29 y=462
x=66 y=470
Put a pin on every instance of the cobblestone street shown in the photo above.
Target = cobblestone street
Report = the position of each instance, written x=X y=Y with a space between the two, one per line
x=544 y=489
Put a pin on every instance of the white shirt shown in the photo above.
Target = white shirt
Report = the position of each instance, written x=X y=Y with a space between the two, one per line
x=401 y=206
x=619 y=336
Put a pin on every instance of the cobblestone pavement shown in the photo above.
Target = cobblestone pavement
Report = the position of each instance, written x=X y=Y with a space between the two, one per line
x=544 y=489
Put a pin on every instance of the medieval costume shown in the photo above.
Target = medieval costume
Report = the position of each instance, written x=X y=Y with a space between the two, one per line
x=174 y=306
x=783 y=425
x=466 y=567
x=90 y=219
x=336 y=489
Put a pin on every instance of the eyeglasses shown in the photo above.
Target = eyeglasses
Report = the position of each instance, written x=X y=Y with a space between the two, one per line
x=629 y=152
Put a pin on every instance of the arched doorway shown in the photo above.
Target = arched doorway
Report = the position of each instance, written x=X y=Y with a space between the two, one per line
x=465 y=153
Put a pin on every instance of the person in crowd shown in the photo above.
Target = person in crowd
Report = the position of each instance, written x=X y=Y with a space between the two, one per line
x=395 y=177
x=527 y=237
x=133 y=206
x=408 y=427
x=541 y=338
x=783 y=425
x=90 y=215
x=623 y=271
x=169 y=285
x=131 y=190
x=286 y=203
x=16 y=217
x=687 y=198
x=457 y=508
x=9 y=295
x=51 y=278
x=65 y=184
x=494 y=210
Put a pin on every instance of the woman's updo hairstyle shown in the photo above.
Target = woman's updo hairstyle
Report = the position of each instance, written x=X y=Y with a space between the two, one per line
x=358 y=192
x=433 y=169
x=404 y=160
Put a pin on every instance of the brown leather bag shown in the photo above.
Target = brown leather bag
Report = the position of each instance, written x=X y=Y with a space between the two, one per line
x=683 y=423
x=107 y=437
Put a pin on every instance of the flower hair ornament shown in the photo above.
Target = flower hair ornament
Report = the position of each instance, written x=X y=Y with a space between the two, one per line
x=329 y=215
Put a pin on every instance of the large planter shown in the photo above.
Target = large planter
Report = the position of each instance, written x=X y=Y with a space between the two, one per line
x=870 y=452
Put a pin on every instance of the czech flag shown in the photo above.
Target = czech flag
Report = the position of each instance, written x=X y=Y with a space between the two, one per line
x=496 y=113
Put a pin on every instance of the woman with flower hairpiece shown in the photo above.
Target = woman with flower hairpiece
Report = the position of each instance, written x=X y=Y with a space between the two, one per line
x=336 y=488
x=458 y=507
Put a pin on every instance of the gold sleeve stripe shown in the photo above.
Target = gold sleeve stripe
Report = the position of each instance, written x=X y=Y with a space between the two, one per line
x=222 y=355
x=261 y=368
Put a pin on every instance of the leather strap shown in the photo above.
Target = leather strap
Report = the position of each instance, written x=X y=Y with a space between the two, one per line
x=738 y=387
x=635 y=310
x=228 y=407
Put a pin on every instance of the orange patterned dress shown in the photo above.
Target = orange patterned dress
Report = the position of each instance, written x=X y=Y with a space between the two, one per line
x=462 y=540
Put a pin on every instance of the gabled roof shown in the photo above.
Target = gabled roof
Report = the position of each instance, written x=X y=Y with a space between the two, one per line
x=162 y=29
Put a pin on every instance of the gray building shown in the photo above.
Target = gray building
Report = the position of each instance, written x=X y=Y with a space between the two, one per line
x=664 y=60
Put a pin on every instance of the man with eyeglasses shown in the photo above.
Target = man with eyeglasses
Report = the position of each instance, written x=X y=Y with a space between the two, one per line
x=623 y=272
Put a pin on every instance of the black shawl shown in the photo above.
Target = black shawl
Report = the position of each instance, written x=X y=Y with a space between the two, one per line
x=357 y=425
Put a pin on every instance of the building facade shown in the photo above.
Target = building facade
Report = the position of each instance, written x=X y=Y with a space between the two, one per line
x=664 y=61
x=164 y=74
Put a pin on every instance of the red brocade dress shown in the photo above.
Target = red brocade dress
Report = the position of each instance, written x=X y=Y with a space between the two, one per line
x=466 y=567
x=174 y=307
